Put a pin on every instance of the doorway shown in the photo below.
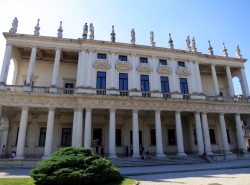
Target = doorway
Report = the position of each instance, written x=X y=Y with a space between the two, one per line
x=140 y=137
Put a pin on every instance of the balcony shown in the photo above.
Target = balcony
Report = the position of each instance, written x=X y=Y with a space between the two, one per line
x=114 y=92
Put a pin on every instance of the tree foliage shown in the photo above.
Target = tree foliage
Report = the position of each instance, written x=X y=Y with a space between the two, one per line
x=73 y=165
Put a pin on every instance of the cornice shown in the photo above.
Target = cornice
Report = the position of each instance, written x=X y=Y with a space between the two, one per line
x=108 y=43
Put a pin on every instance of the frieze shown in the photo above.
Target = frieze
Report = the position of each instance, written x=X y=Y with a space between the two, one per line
x=11 y=100
x=182 y=71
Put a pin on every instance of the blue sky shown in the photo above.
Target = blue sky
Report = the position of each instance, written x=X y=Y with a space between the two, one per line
x=217 y=21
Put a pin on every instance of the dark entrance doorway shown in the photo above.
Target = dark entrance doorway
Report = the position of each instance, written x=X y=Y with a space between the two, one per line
x=97 y=136
x=140 y=137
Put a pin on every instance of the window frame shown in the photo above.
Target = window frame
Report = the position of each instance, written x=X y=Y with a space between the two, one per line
x=101 y=54
x=123 y=79
x=70 y=134
x=44 y=136
x=166 y=84
x=142 y=60
x=212 y=139
x=152 y=137
x=181 y=64
x=174 y=136
x=101 y=78
x=144 y=82
x=123 y=56
x=185 y=88
x=161 y=61
x=118 y=141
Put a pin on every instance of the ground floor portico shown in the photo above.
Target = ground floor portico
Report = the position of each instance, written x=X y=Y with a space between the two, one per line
x=39 y=131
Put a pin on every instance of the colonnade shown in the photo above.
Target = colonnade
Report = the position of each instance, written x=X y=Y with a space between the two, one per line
x=201 y=123
x=86 y=59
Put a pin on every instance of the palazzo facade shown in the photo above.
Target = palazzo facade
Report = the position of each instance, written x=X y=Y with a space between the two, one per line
x=85 y=92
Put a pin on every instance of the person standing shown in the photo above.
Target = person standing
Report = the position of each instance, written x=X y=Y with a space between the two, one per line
x=3 y=151
x=102 y=150
x=131 y=150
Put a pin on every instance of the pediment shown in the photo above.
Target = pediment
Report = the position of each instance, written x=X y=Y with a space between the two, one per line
x=144 y=67
x=101 y=64
x=164 y=69
x=182 y=71
x=125 y=66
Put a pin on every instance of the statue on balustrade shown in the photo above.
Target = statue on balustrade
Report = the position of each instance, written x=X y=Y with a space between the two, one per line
x=188 y=44
x=133 y=36
x=194 y=49
x=237 y=50
x=152 y=43
x=85 y=31
x=91 y=30
x=14 y=26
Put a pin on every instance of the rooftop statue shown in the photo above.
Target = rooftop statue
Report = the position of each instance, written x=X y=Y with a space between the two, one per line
x=170 y=42
x=59 y=31
x=188 y=44
x=37 y=28
x=194 y=49
x=132 y=36
x=225 y=54
x=113 y=35
x=152 y=43
x=237 y=50
x=85 y=31
x=210 y=49
x=91 y=30
x=13 y=29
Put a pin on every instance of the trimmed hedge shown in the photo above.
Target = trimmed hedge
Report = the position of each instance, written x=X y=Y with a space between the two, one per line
x=74 y=166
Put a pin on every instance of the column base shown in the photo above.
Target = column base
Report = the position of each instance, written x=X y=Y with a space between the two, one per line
x=53 y=90
x=19 y=157
x=112 y=92
x=210 y=153
x=181 y=154
x=197 y=97
x=46 y=156
x=136 y=155
x=227 y=152
x=156 y=95
x=112 y=156
x=176 y=96
x=2 y=87
x=160 y=155
x=26 y=89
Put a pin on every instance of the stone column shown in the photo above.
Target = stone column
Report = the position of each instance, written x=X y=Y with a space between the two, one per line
x=191 y=134
x=81 y=70
x=224 y=134
x=206 y=133
x=135 y=123
x=78 y=67
x=240 y=137
x=90 y=68
x=155 y=76
x=230 y=82
x=112 y=152
x=49 y=133
x=159 y=147
x=133 y=78
x=31 y=66
x=244 y=81
x=78 y=137
x=180 y=146
x=6 y=64
x=192 y=77
x=56 y=67
x=22 y=133
x=87 y=134
x=198 y=78
x=112 y=71
x=216 y=86
x=199 y=133
x=74 y=128
x=174 y=76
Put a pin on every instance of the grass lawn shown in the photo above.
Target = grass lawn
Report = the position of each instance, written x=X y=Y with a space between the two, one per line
x=30 y=181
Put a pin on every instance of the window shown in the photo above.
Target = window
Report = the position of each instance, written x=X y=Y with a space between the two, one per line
x=123 y=81
x=118 y=137
x=140 y=137
x=97 y=135
x=221 y=94
x=171 y=136
x=66 y=137
x=212 y=136
x=122 y=58
x=184 y=85
x=42 y=136
x=164 y=84
x=195 y=136
x=101 y=80
x=101 y=56
x=143 y=60
x=153 y=136
x=163 y=62
x=182 y=64
x=68 y=86
x=144 y=83
x=228 y=138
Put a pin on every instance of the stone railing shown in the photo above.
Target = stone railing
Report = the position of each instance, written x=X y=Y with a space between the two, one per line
x=115 y=92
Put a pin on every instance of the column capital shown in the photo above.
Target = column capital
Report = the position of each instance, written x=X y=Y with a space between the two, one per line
x=237 y=114
x=158 y=111
x=197 y=112
x=153 y=56
x=212 y=65
x=204 y=113
x=242 y=67
x=133 y=54
x=177 y=112
x=173 y=59
x=227 y=66
x=112 y=109
x=51 y=108
x=81 y=50
x=8 y=43
x=58 y=48
x=25 y=107
x=91 y=50
x=221 y=114
x=88 y=109
x=135 y=110
x=33 y=46
x=78 y=109
x=112 y=52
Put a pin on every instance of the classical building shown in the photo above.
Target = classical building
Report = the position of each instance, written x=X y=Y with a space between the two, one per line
x=85 y=92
